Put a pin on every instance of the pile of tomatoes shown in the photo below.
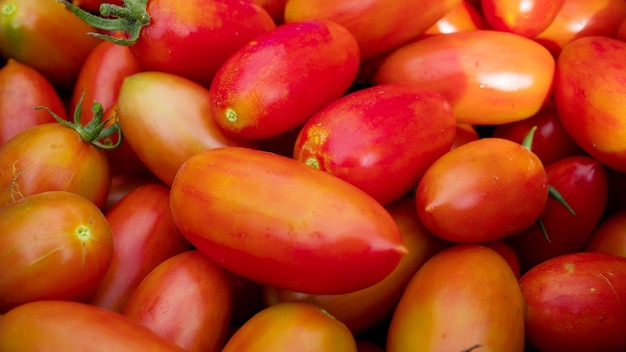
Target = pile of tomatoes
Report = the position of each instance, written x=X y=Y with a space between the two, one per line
x=310 y=175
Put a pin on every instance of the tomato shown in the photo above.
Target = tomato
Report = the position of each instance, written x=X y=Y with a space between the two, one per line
x=590 y=96
x=482 y=191
x=74 y=326
x=609 y=236
x=275 y=8
x=166 y=119
x=511 y=84
x=278 y=80
x=186 y=299
x=363 y=309
x=22 y=88
x=464 y=133
x=523 y=17
x=464 y=298
x=123 y=183
x=576 y=302
x=583 y=184
x=46 y=37
x=189 y=38
x=463 y=17
x=326 y=235
x=144 y=235
x=123 y=158
x=403 y=128
x=621 y=30
x=379 y=26
x=285 y=325
x=63 y=254
x=508 y=253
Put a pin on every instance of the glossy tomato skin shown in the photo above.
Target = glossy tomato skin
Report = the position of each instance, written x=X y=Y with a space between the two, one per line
x=144 y=235
x=278 y=80
x=575 y=302
x=582 y=181
x=39 y=33
x=463 y=17
x=74 y=326
x=379 y=26
x=511 y=84
x=523 y=17
x=52 y=157
x=186 y=299
x=482 y=191
x=326 y=235
x=166 y=119
x=363 y=309
x=403 y=128
x=590 y=96
x=283 y=326
x=609 y=236
x=21 y=89
x=50 y=238
x=463 y=298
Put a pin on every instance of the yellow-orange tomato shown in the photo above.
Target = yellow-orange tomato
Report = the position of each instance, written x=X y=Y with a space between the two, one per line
x=463 y=17
x=609 y=236
x=523 y=17
x=489 y=77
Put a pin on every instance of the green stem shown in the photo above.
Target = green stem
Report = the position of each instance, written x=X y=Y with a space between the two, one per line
x=528 y=139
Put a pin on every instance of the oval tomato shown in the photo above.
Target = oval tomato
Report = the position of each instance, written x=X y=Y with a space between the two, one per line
x=326 y=235
x=510 y=84
x=524 y=17
x=609 y=236
x=54 y=245
x=277 y=81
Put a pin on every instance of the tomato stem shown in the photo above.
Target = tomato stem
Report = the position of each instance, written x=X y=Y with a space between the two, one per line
x=554 y=193
x=543 y=230
x=528 y=139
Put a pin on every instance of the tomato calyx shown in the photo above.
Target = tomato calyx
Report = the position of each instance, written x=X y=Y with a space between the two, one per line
x=130 y=19
x=96 y=129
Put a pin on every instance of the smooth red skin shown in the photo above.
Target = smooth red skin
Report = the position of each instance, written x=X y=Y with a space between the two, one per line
x=123 y=183
x=283 y=326
x=21 y=89
x=364 y=309
x=403 y=129
x=144 y=235
x=277 y=81
x=482 y=191
x=94 y=5
x=576 y=302
x=590 y=96
x=52 y=157
x=74 y=326
x=609 y=236
x=186 y=299
x=523 y=17
x=41 y=247
x=339 y=240
x=39 y=33
x=551 y=142
x=582 y=181
x=465 y=133
x=464 y=296
x=166 y=120
x=463 y=17
x=621 y=30
x=193 y=38
x=582 y=18
x=511 y=84
x=379 y=26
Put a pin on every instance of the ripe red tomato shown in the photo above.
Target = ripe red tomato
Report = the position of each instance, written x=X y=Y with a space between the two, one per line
x=278 y=222
x=277 y=81
x=609 y=236
x=524 y=17
x=54 y=245
x=463 y=17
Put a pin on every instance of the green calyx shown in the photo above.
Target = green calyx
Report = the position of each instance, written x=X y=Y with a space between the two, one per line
x=130 y=19
x=96 y=129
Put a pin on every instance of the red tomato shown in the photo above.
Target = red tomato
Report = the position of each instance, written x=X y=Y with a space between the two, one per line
x=403 y=128
x=463 y=17
x=54 y=245
x=524 y=17
x=94 y=5
x=166 y=119
x=123 y=183
x=186 y=299
x=510 y=84
x=482 y=191
x=326 y=235
x=379 y=26
x=508 y=253
x=609 y=236
x=590 y=96
x=576 y=302
x=283 y=326
x=277 y=81
x=464 y=133
x=22 y=88
x=464 y=298
x=275 y=8
x=144 y=235
x=621 y=30
x=73 y=326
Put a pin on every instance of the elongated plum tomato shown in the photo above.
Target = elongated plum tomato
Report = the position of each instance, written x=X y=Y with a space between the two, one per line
x=482 y=191
x=276 y=221
x=54 y=245
x=524 y=17
x=402 y=129
x=278 y=80
x=510 y=84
